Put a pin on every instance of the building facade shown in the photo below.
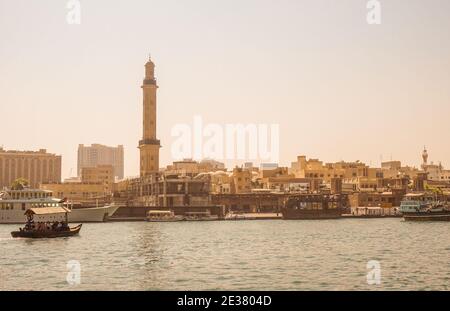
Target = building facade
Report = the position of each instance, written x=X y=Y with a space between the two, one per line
x=191 y=168
x=103 y=174
x=85 y=194
x=34 y=166
x=435 y=172
x=96 y=154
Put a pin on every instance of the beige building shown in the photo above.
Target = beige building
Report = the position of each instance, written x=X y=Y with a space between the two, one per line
x=189 y=167
x=221 y=182
x=79 y=192
x=436 y=172
x=288 y=184
x=96 y=154
x=149 y=145
x=275 y=172
x=95 y=184
x=35 y=166
x=393 y=169
x=241 y=181
x=313 y=168
x=103 y=174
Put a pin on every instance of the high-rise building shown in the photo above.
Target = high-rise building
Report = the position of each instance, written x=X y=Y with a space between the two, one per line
x=149 y=145
x=96 y=155
x=35 y=166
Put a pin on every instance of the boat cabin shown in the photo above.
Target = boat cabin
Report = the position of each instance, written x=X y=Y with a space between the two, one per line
x=160 y=214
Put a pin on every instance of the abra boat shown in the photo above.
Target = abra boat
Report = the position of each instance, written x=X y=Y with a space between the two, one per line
x=163 y=216
x=40 y=230
x=420 y=207
x=200 y=216
x=314 y=206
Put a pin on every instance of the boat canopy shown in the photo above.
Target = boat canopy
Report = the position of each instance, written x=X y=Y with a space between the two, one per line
x=414 y=195
x=47 y=210
x=160 y=212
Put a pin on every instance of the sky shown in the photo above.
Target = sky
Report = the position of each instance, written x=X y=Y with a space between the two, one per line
x=339 y=88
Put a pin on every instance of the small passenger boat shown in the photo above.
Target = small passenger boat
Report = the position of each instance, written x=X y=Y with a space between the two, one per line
x=200 y=216
x=49 y=229
x=163 y=216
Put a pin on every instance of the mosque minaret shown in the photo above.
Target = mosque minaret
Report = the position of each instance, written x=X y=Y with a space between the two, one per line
x=149 y=145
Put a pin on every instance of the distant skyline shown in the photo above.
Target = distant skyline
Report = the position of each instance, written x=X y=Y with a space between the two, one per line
x=340 y=89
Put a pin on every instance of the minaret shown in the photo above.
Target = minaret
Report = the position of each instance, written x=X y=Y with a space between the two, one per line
x=149 y=145
x=425 y=158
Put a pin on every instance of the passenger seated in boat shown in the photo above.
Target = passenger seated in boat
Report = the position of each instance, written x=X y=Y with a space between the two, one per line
x=64 y=226
x=41 y=226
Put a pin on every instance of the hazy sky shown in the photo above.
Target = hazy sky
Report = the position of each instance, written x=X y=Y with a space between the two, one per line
x=338 y=87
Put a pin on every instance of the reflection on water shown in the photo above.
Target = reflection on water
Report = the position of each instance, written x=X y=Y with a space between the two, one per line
x=243 y=255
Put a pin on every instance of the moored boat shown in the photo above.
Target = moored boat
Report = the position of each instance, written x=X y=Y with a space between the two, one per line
x=200 y=216
x=314 y=207
x=13 y=204
x=419 y=207
x=163 y=216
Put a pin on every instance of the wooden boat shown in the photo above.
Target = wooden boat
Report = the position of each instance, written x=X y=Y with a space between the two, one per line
x=314 y=207
x=419 y=207
x=35 y=234
x=200 y=216
x=41 y=230
x=163 y=216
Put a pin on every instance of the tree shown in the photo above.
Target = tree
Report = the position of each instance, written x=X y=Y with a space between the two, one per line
x=20 y=184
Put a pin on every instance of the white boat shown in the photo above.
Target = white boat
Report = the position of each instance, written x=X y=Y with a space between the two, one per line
x=163 y=216
x=235 y=216
x=14 y=204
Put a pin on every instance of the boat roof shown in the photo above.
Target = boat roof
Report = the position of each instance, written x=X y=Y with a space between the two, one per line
x=34 y=200
x=369 y=207
x=159 y=212
x=29 y=190
x=47 y=210
x=412 y=195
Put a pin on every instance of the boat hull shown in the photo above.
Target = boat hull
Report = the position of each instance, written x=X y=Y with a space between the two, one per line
x=437 y=216
x=46 y=234
x=82 y=215
x=165 y=220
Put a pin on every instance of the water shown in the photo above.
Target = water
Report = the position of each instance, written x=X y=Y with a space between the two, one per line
x=242 y=255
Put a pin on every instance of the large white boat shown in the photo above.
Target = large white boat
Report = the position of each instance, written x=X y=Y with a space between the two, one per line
x=14 y=204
